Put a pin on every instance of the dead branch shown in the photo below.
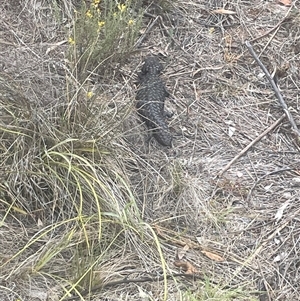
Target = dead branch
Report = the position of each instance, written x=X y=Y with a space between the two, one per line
x=243 y=151
x=276 y=90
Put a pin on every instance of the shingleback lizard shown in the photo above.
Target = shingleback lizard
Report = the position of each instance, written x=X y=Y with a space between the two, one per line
x=151 y=100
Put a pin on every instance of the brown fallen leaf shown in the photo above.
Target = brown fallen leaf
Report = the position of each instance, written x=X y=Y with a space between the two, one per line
x=186 y=266
x=223 y=11
x=180 y=252
x=285 y=2
x=213 y=256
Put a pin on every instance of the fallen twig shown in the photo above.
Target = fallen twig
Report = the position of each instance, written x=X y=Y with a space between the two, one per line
x=276 y=27
x=142 y=38
x=276 y=90
x=150 y=278
x=268 y=43
x=171 y=36
x=243 y=151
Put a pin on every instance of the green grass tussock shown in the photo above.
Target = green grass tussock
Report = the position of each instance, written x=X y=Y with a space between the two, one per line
x=62 y=178
x=65 y=178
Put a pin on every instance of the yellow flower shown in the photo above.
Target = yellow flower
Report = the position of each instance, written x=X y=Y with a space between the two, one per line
x=96 y=2
x=71 y=41
x=115 y=14
x=89 y=14
x=89 y=94
x=121 y=7
x=130 y=22
x=95 y=5
x=101 y=23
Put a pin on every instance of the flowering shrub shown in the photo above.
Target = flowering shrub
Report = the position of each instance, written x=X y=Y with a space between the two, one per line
x=103 y=31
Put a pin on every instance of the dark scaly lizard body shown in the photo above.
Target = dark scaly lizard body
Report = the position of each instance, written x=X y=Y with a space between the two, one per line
x=151 y=100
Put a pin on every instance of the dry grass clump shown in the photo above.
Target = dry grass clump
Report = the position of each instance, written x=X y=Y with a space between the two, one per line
x=90 y=210
x=66 y=199
x=62 y=180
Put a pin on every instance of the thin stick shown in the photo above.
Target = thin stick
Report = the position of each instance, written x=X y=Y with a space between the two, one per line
x=274 y=28
x=276 y=90
x=268 y=43
x=243 y=151
x=136 y=280
x=175 y=41
x=142 y=38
